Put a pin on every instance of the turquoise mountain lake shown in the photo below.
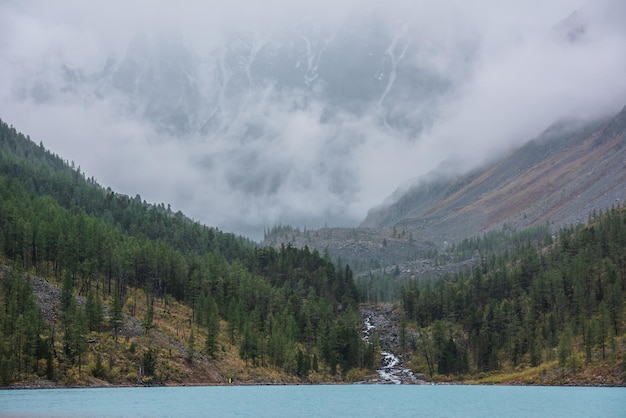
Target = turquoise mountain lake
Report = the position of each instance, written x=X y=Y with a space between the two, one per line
x=318 y=401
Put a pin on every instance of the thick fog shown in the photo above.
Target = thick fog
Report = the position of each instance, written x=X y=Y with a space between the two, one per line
x=246 y=114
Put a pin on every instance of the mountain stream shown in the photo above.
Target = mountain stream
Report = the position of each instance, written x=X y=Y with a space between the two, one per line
x=381 y=321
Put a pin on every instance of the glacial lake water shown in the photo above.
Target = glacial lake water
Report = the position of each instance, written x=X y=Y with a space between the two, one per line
x=318 y=401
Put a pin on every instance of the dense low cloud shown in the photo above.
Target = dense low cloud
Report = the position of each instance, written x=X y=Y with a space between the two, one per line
x=247 y=114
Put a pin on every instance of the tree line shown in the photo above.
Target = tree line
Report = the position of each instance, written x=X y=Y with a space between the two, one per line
x=289 y=308
x=542 y=302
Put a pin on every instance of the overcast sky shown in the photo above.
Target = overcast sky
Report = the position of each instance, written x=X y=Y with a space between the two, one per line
x=524 y=76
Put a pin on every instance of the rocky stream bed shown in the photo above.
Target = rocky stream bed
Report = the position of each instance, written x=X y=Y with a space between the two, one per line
x=380 y=321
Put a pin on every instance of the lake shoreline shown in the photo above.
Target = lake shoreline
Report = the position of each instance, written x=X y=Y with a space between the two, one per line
x=46 y=384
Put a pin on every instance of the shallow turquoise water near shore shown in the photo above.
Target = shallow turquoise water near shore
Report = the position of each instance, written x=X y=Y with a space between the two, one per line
x=318 y=401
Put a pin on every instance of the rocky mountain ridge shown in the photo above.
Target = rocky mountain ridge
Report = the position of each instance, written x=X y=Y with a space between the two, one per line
x=187 y=90
x=559 y=178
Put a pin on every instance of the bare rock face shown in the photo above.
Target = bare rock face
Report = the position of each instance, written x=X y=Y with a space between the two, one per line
x=384 y=322
x=360 y=247
x=48 y=297
x=559 y=177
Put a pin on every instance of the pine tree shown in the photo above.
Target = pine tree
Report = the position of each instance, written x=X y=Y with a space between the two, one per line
x=191 y=343
x=615 y=299
x=402 y=331
x=149 y=362
x=213 y=328
x=80 y=336
x=590 y=339
x=94 y=312
x=117 y=317
x=234 y=316
x=564 y=352
x=74 y=325
x=148 y=319
x=603 y=328
x=68 y=316
x=248 y=349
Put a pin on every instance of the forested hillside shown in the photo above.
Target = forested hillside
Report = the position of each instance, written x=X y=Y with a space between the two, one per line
x=289 y=310
x=101 y=288
x=530 y=312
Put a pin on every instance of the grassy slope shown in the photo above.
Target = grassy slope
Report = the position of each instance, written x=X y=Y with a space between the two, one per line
x=607 y=371
x=610 y=371
x=120 y=361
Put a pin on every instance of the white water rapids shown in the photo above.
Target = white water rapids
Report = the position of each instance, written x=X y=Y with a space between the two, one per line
x=391 y=369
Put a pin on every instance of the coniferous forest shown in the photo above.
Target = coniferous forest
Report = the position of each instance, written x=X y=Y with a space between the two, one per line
x=98 y=287
x=541 y=307
x=119 y=260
